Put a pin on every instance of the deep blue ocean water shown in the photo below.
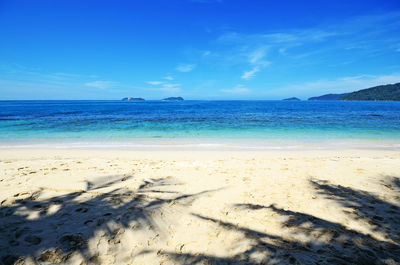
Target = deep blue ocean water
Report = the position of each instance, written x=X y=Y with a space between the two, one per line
x=118 y=120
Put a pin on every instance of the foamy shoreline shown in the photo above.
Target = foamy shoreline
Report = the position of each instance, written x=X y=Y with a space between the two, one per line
x=337 y=206
x=206 y=144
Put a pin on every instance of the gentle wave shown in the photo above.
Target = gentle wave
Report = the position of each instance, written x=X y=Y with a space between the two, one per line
x=211 y=145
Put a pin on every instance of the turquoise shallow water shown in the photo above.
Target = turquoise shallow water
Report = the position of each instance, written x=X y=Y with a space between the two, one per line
x=108 y=121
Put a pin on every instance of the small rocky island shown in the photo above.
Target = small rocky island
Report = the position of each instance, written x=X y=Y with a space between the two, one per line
x=292 y=99
x=132 y=99
x=173 y=99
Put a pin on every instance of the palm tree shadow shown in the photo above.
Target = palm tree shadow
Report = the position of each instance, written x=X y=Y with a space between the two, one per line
x=392 y=182
x=56 y=228
x=379 y=214
x=314 y=240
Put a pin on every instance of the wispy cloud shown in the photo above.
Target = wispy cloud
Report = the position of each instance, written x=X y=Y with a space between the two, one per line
x=45 y=89
x=271 y=39
x=251 y=50
x=256 y=58
x=239 y=89
x=70 y=75
x=366 y=35
x=155 y=83
x=185 y=67
x=165 y=87
x=101 y=84
x=250 y=74
x=255 y=47
x=22 y=82
x=170 y=88
x=30 y=73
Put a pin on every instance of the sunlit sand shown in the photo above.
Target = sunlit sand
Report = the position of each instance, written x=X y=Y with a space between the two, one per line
x=138 y=207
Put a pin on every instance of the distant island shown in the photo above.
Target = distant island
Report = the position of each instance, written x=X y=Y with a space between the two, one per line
x=383 y=92
x=132 y=99
x=329 y=97
x=173 y=99
x=142 y=99
x=292 y=99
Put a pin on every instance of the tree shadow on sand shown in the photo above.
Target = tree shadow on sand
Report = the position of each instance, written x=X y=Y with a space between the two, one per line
x=380 y=215
x=313 y=240
x=57 y=229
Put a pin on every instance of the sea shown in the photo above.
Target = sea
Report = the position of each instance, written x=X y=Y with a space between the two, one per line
x=229 y=124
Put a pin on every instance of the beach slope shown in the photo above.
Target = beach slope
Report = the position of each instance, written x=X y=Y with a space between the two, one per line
x=138 y=207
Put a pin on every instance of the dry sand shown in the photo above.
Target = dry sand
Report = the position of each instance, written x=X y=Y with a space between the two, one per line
x=137 y=207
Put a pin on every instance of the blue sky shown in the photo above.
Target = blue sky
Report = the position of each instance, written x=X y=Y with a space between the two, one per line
x=197 y=49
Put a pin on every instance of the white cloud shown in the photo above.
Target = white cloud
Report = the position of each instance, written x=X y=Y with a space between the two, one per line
x=251 y=50
x=101 y=84
x=367 y=33
x=251 y=55
x=250 y=74
x=256 y=59
x=155 y=83
x=257 y=55
x=277 y=38
x=170 y=88
x=239 y=89
x=166 y=87
x=185 y=67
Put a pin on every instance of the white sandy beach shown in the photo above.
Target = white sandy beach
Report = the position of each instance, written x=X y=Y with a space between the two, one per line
x=203 y=207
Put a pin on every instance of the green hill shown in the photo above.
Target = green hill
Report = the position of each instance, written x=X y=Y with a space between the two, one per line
x=329 y=97
x=384 y=92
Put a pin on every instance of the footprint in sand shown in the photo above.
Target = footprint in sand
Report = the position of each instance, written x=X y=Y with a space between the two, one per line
x=21 y=232
x=33 y=240
x=53 y=256
x=21 y=194
x=82 y=210
x=88 y=222
x=73 y=242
